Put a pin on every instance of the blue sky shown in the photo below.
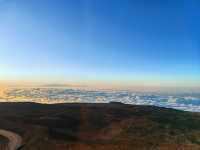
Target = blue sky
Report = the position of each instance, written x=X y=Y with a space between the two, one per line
x=135 y=42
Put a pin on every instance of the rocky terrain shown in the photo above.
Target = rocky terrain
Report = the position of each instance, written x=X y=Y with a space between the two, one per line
x=112 y=126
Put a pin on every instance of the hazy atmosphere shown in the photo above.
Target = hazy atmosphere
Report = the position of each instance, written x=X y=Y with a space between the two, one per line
x=107 y=42
x=99 y=74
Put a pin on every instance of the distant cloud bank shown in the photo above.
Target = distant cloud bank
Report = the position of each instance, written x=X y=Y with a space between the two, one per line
x=183 y=101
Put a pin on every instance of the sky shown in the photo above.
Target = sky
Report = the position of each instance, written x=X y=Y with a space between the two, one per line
x=123 y=42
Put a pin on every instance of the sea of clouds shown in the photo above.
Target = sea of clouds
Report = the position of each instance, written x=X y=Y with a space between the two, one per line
x=182 y=101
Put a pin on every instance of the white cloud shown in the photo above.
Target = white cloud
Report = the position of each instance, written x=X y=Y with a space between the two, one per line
x=61 y=95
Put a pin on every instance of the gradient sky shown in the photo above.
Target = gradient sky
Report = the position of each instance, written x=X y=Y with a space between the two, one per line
x=133 y=42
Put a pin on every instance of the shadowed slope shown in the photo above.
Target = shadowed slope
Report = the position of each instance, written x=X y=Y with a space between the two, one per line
x=101 y=126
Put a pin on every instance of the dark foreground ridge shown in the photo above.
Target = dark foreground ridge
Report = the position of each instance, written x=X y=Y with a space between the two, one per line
x=111 y=126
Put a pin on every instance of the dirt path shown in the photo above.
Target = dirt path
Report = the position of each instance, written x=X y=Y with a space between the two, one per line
x=15 y=141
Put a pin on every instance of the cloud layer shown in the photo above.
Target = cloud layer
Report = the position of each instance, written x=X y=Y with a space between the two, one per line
x=182 y=101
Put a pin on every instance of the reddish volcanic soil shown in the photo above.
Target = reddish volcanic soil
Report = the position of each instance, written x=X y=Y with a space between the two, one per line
x=101 y=127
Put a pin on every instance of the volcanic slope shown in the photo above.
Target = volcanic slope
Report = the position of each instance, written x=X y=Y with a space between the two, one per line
x=111 y=126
